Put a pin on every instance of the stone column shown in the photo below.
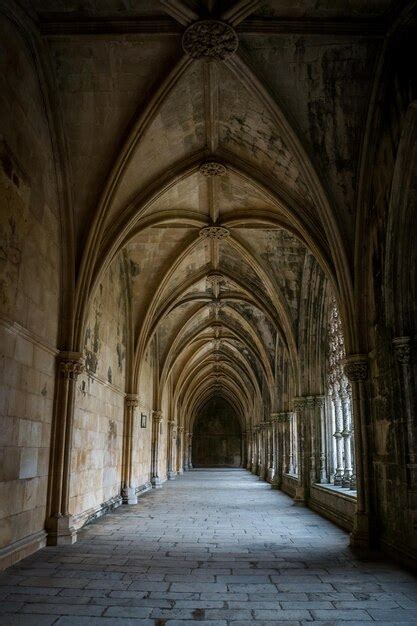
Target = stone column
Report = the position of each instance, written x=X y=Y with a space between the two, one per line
x=356 y=371
x=59 y=523
x=156 y=430
x=189 y=450
x=302 y=406
x=276 y=454
x=180 y=450
x=255 y=448
x=249 y=440
x=338 y=418
x=321 y=407
x=172 y=439
x=261 y=453
x=271 y=451
x=402 y=351
x=346 y=434
x=129 y=489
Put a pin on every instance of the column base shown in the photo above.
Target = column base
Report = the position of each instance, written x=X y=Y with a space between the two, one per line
x=180 y=471
x=359 y=537
x=300 y=498
x=129 y=495
x=61 y=531
x=171 y=475
x=276 y=482
x=156 y=482
x=270 y=474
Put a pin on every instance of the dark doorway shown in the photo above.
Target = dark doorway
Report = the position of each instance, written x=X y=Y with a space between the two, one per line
x=217 y=436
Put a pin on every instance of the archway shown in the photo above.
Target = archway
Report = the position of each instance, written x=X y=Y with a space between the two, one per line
x=217 y=436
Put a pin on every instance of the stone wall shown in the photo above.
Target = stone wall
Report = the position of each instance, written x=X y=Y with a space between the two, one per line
x=98 y=421
x=29 y=299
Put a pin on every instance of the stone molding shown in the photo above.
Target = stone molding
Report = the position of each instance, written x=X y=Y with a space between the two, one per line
x=356 y=367
x=214 y=232
x=212 y=40
x=71 y=364
x=402 y=349
x=213 y=168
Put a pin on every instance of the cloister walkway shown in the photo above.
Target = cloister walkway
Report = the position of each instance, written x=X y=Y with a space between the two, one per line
x=212 y=547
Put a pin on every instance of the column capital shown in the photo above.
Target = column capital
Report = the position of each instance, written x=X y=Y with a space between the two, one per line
x=356 y=367
x=180 y=429
x=274 y=417
x=132 y=400
x=171 y=422
x=70 y=364
x=157 y=416
x=402 y=349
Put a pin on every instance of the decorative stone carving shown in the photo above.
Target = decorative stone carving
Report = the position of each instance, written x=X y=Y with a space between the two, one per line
x=214 y=232
x=214 y=279
x=132 y=400
x=213 y=168
x=157 y=416
x=402 y=349
x=212 y=40
x=180 y=430
x=70 y=365
x=299 y=403
x=356 y=367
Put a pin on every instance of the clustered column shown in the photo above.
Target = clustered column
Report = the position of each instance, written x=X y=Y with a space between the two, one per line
x=180 y=450
x=172 y=444
x=156 y=430
x=129 y=491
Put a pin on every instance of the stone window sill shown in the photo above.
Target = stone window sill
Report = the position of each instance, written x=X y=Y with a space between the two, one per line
x=349 y=494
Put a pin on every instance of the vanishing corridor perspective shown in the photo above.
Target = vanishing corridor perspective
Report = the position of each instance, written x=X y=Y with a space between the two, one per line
x=208 y=275
x=218 y=547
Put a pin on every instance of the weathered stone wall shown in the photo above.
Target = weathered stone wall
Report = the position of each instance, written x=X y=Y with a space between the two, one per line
x=99 y=413
x=395 y=506
x=29 y=297
x=141 y=441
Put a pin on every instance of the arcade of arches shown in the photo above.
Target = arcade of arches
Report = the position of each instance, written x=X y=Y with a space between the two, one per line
x=207 y=257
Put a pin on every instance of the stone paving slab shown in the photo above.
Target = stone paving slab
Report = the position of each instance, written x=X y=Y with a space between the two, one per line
x=214 y=548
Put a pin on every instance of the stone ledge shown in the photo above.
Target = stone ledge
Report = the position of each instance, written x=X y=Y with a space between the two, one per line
x=82 y=519
x=342 y=492
x=22 y=548
x=333 y=505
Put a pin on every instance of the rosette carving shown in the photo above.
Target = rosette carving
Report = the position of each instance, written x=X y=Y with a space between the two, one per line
x=212 y=40
x=213 y=168
x=214 y=232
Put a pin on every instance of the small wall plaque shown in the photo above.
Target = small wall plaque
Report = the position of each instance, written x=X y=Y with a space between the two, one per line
x=143 y=420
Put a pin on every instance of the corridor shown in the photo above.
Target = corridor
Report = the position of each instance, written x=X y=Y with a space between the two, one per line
x=213 y=547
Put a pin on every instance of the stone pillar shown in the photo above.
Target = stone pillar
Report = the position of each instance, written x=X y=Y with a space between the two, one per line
x=271 y=454
x=262 y=455
x=322 y=434
x=276 y=453
x=255 y=453
x=189 y=444
x=338 y=418
x=180 y=450
x=402 y=351
x=156 y=430
x=59 y=523
x=249 y=441
x=356 y=371
x=301 y=406
x=129 y=489
x=346 y=434
x=172 y=444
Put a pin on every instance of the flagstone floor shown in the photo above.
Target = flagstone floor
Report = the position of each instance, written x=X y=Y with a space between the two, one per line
x=214 y=547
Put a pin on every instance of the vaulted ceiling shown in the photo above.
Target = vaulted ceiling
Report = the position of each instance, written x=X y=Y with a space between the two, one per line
x=214 y=178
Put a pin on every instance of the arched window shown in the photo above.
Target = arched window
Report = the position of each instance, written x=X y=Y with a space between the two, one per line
x=340 y=442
